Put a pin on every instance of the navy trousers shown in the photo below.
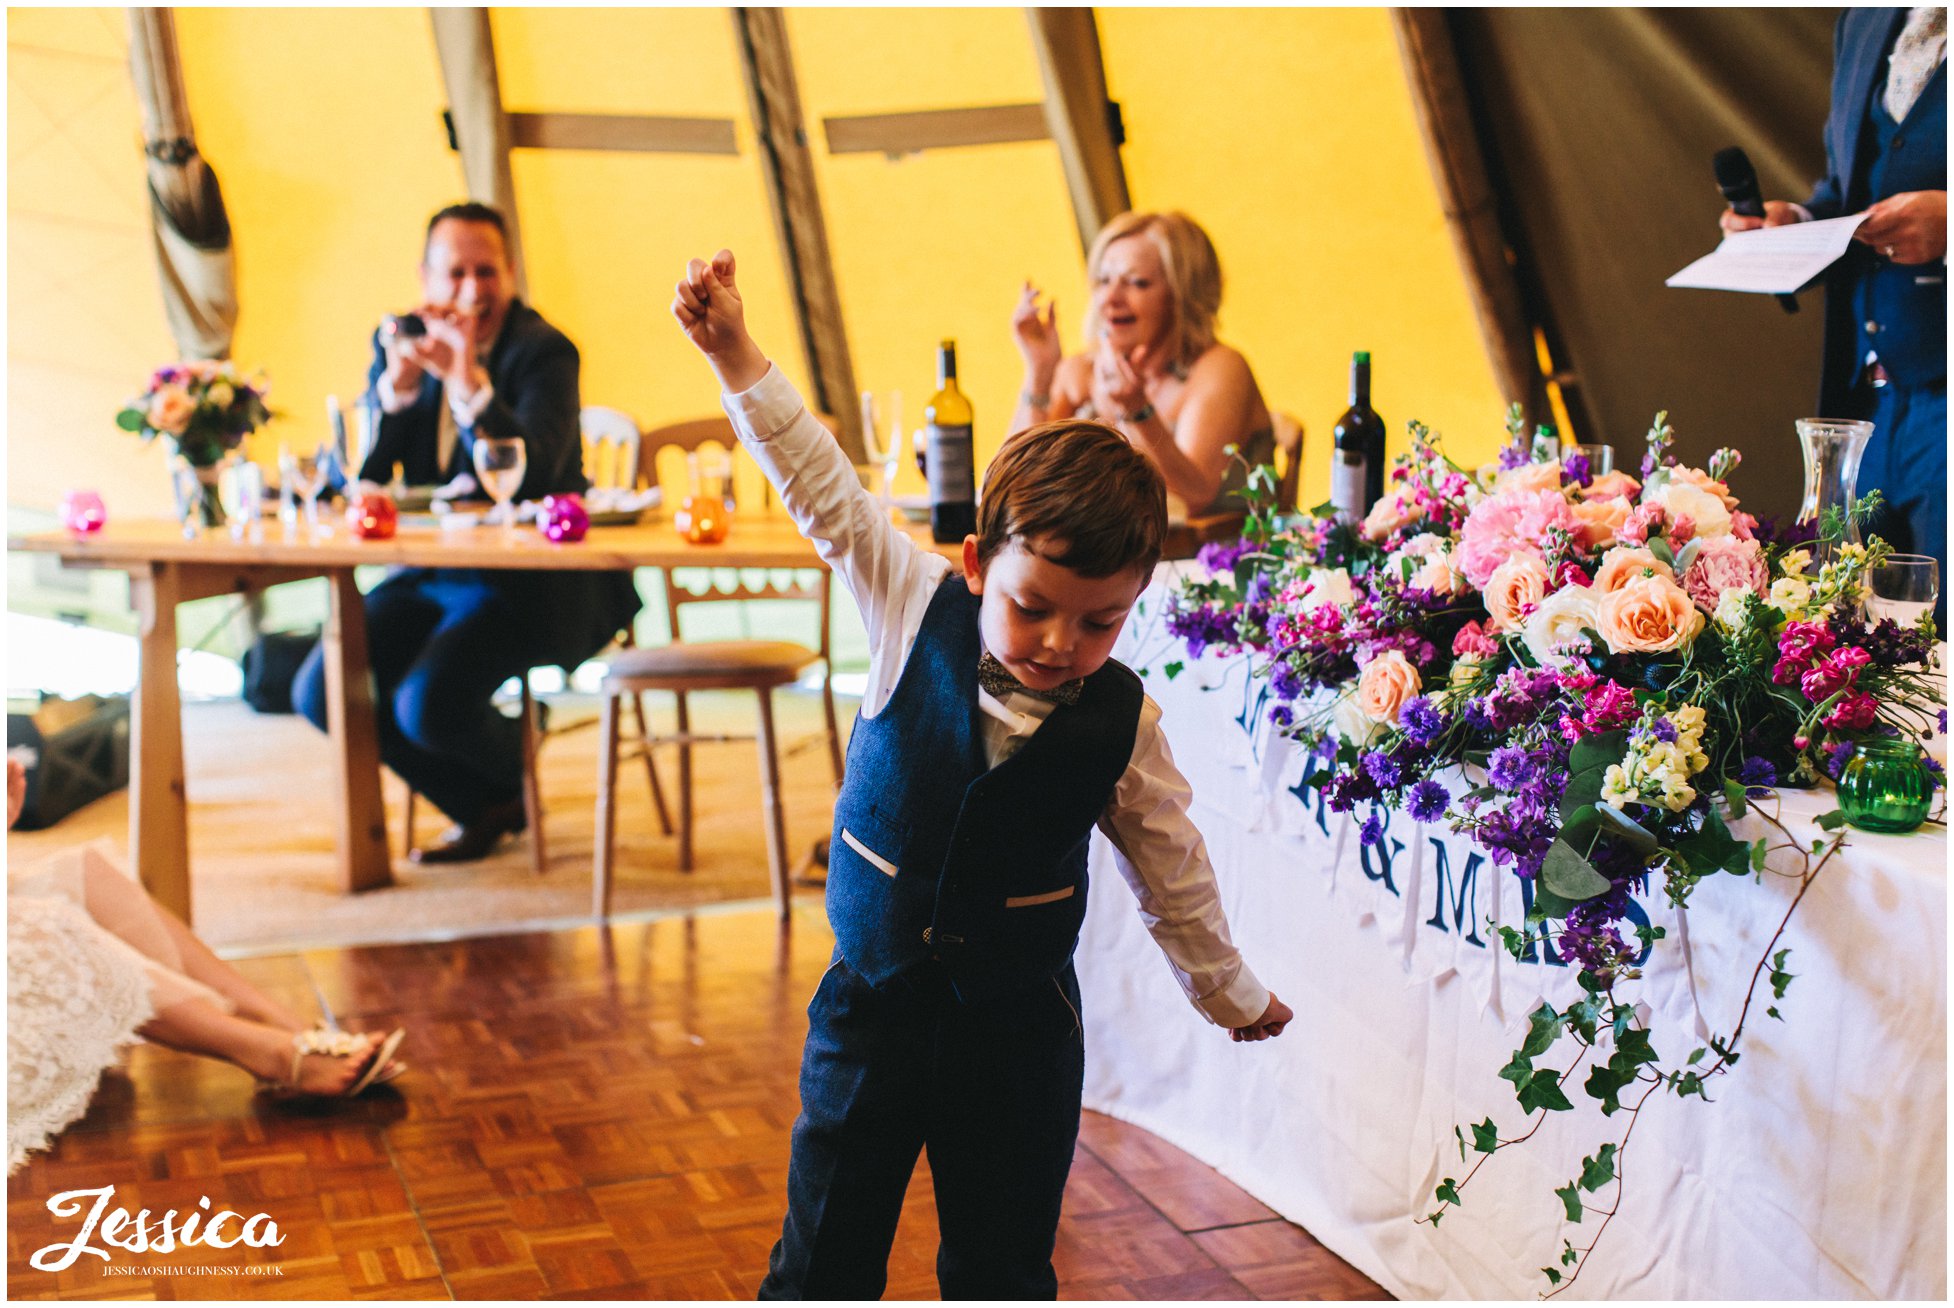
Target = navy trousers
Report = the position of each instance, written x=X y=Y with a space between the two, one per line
x=992 y=1092
x=441 y=642
x=1907 y=462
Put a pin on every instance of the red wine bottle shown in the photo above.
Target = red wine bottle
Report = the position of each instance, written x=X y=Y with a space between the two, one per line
x=1357 y=467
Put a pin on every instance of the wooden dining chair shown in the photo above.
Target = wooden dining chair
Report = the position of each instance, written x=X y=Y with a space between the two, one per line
x=612 y=458
x=683 y=667
x=1289 y=459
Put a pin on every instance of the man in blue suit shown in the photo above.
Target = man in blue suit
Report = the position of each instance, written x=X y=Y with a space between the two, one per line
x=1886 y=300
x=442 y=640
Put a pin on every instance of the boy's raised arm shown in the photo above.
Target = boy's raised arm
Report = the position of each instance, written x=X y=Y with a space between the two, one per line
x=879 y=565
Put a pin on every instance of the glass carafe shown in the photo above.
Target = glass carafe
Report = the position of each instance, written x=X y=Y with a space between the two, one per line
x=1833 y=448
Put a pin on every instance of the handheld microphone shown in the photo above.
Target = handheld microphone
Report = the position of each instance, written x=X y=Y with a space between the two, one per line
x=1737 y=180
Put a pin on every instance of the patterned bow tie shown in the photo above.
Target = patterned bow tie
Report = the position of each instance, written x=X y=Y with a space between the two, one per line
x=995 y=680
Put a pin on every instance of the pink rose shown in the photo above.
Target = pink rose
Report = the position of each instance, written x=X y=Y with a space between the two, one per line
x=1384 y=685
x=1600 y=520
x=1394 y=511
x=1501 y=525
x=1623 y=564
x=170 y=409
x=1529 y=477
x=1514 y=590
x=1473 y=642
x=1723 y=563
x=1647 y=615
x=1609 y=486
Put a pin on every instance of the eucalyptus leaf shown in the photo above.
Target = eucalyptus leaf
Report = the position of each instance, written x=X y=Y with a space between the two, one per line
x=1569 y=874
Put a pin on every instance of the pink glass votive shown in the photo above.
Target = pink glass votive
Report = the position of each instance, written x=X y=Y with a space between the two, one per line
x=82 y=512
x=564 y=518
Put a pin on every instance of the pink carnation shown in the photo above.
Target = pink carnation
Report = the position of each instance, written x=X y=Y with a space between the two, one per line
x=1855 y=712
x=1805 y=641
x=1725 y=563
x=1502 y=525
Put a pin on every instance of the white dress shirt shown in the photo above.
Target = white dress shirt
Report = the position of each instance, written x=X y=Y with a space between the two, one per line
x=1157 y=848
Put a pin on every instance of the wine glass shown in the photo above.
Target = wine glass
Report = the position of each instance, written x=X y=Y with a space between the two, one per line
x=244 y=496
x=1903 y=588
x=1601 y=458
x=499 y=465
x=305 y=470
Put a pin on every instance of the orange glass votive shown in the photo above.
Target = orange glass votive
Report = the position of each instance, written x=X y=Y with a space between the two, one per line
x=372 y=516
x=703 y=519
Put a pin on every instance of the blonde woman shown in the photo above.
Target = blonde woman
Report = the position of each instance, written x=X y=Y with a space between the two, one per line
x=1154 y=369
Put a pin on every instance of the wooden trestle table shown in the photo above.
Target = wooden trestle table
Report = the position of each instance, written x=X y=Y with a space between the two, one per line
x=166 y=568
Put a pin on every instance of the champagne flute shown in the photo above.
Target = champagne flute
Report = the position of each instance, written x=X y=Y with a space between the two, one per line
x=187 y=489
x=872 y=440
x=499 y=465
x=304 y=470
x=1904 y=588
x=892 y=452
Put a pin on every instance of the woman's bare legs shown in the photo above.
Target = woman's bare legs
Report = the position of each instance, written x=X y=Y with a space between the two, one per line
x=120 y=905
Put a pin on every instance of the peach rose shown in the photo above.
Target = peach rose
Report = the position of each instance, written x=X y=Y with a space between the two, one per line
x=1609 y=485
x=1681 y=499
x=1529 y=477
x=1703 y=481
x=1384 y=685
x=1599 y=520
x=170 y=409
x=1393 y=510
x=1624 y=564
x=1648 y=615
x=1514 y=590
x=1430 y=559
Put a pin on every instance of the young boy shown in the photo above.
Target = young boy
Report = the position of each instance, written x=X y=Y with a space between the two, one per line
x=995 y=734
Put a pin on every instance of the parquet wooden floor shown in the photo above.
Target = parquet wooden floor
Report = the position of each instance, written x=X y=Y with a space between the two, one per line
x=590 y=1114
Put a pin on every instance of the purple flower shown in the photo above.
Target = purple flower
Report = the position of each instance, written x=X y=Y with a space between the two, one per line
x=1422 y=722
x=1428 y=801
x=1220 y=555
x=1943 y=722
x=1514 y=456
x=1836 y=757
x=1575 y=468
x=1325 y=748
x=1385 y=769
x=1372 y=832
x=1757 y=776
x=1509 y=768
x=1281 y=716
x=1935 y=771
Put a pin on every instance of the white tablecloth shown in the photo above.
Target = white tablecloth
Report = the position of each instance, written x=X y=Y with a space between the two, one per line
x=1818 y=1172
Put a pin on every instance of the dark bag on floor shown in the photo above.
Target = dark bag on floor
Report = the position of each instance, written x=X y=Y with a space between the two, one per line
x=83 y=759
x=270 y=667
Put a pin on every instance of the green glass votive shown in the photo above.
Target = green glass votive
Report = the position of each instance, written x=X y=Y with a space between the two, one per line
x=1883 y=787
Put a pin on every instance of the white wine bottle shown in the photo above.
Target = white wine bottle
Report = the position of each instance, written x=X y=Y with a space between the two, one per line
x=949 y=455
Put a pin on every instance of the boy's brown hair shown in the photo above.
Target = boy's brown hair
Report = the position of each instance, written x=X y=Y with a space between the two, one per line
x=1080 y=485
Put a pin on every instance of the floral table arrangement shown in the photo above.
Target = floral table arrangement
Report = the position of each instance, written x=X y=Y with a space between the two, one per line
x=205 y=408
x=1593 y=676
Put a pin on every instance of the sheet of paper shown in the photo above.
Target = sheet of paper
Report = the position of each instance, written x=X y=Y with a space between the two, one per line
x=1771 y=260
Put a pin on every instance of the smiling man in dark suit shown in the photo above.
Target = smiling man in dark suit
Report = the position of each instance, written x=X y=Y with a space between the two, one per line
x=443 y=640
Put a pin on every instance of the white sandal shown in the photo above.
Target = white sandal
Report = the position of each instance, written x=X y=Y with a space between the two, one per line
x=321 y=1040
